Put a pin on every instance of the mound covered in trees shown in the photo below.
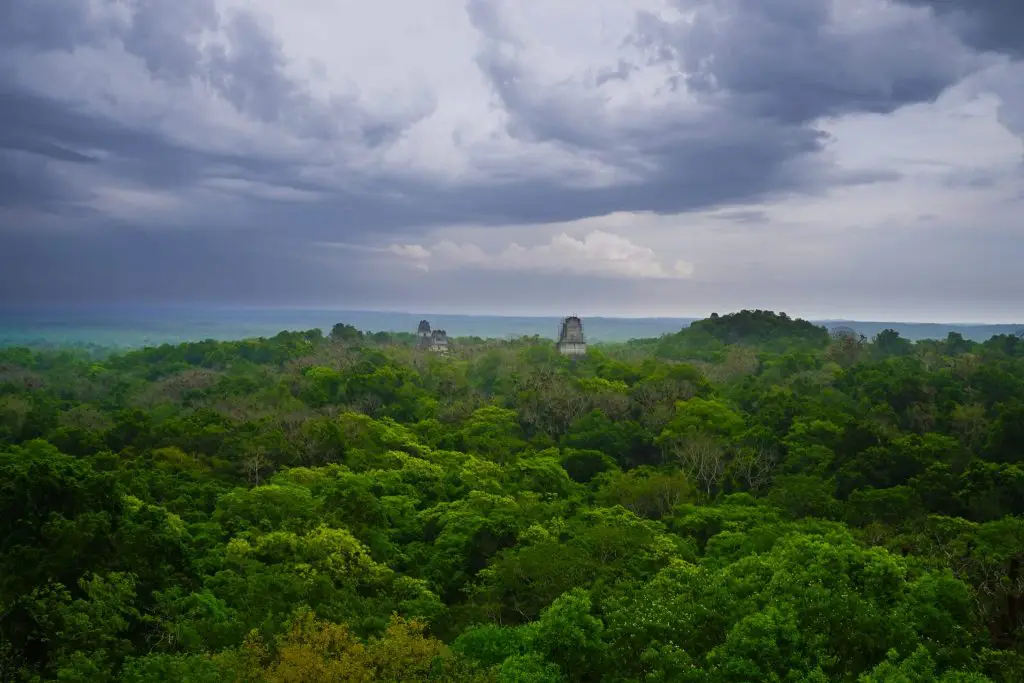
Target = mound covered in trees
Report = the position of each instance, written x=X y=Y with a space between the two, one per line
x=749 y=500
x=759 y=327
x=711 y=338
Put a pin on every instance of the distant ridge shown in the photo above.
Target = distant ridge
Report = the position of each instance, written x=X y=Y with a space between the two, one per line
x=919 y=331
x=138 y=326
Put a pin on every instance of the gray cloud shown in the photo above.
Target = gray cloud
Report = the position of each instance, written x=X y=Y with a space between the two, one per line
x=49 y=25
x=784 y=61
x=164 y=35
x=983 y=24
x=763 y=72
x=746 y=217
x=26 y=183
x=247 y=70
x=41 y=136
x=774 y=69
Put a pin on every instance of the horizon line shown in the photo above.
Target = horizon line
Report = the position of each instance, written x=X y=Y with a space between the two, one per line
x=397 y=311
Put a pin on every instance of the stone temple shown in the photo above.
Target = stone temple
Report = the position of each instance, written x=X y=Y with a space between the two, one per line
x=570 y=337
x=423 y=333
x=431 y=340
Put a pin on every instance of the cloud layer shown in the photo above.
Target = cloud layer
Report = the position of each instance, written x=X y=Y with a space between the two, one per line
x=650 y=141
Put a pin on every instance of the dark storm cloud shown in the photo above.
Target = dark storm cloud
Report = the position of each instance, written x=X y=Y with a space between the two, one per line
x=984 y=24
x=775 y=70
x=781 y=59
x=49 y=24
x=35 y=132
x=162 y=35
x=768 y=69
x=38 y=133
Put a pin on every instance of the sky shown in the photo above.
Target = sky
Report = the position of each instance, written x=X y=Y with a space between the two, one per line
x=829 y=158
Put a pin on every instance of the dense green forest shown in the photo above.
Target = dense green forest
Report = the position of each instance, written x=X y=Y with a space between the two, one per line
x=751 y=499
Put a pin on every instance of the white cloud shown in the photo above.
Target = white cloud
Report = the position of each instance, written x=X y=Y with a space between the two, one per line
x=970 y=127
x=597 y=253
x=410 y=251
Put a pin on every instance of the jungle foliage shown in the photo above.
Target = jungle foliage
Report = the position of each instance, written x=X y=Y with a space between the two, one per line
x=750 y=499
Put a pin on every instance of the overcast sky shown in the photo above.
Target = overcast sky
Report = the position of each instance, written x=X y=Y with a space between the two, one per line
x=828 y=158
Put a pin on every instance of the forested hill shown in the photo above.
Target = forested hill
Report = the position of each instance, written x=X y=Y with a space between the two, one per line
x=751 y=499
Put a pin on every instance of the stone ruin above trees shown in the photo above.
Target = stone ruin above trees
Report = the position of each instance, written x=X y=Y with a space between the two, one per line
x=431 y=340
x=571 y=341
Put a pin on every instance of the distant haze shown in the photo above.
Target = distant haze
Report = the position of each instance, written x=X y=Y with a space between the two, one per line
x=145 y=326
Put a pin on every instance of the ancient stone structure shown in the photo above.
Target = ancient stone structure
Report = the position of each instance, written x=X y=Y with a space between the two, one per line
x=842 y=332
x=570 y=337
x=423 y=332
x=439 y=341
x=431 y=340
